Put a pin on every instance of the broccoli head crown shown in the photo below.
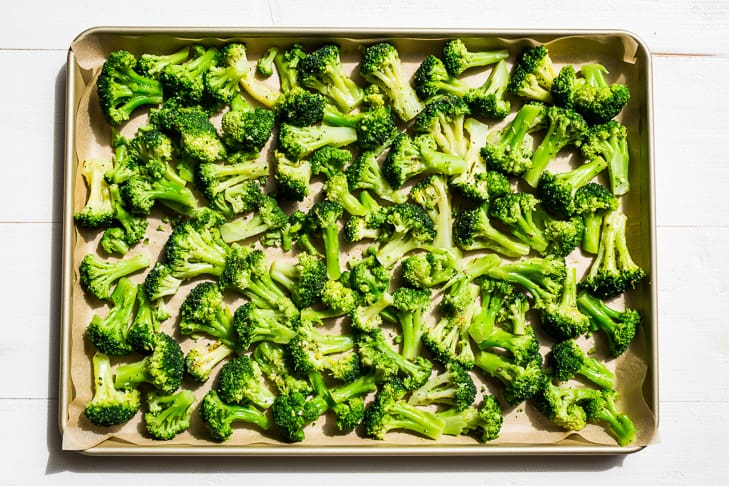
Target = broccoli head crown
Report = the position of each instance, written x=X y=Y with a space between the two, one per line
x=253 y=324
x=163 y=368
x=247 y=131
x=381 y=66
x=168 y=415
x=298 y=142
x=300 y=107
x=218 y=416
x=620 y=327
x=187 y=81
x=558 y=191
x=99 y=209
x=365 y=173
x=596 y=99
x=448 y=340
x=293 y=412
x=519 y=212
x=203 y=311
x=196 y=248
x=564 y=406
x=287 y=63
x=109 y=406
x=410 y=157
x=240 y=381
x=98 y=277
x=201 y=360
x=113 y=241
x=304 y=280
x=142 y=334
x=489 y=100
x=533 y=74
x=273 y=361
x=121 y=90
x=160 y=282
x=603 y=410
x=368 y=278
x=411 y=227
x=594 y=197
x=292 y=177
x=322 y=71
x=428 y=270
x=521 y=382
x=564 y=235
x=457 y=58
x=563 y=87
x=613 y=270
x=151 y=65
x=152 y=151
x=329 y=161
x=568 y=360
x=472 y=230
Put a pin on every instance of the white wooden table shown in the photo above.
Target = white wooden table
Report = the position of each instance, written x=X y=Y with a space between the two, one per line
x=690 y=44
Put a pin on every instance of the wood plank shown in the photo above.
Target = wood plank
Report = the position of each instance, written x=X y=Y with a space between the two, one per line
x=673 y=26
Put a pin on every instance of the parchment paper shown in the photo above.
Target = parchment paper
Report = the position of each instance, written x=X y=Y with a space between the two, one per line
x=523 y=425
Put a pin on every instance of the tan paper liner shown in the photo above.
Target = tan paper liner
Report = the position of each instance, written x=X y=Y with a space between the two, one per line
x=523 y=425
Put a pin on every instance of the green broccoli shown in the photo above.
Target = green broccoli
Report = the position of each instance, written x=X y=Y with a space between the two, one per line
x=152 y=153
x=368 y=316
x=109 y=406
x=592 y=201
x=381 y=66
x=377 y=354
x=231 y=188
x=457 y=58
x=568 y=360
x=310 y=350
x=140 y=195
x=329 y=161
x=473 y=230
x=160 y=282
x=287 y=63
x=533 y=75
x=521 y=348
x=448 y=340
x=485 y=421
x=520 y=212
x=203 y=312
x=298 y=142
x=264 y=65
x=558 y=191
x=151 y=65
x=113 y=241
x=432 y=79
x=433 y=196
x=267 y=216
x=300 y=108
x=253 y=324
x=543 y=278
x=237 y=67
x=321 y=70
x=489 y=99
x=521 y=382
x=98 y=211
x=338 y=300
x=562 y=319
x=564 y=127
x=620 y=327
x=591 y=95
x=246 y=129
x=187 y=81
x=602 y=409
x=292 y=177
x=564 y=235
x=365 y=173
x=367 y=277
x=564 y=406
x=374 y=126
x=509 y=150
x=163 y=368
x=428 y=270
x=273 y=361
x=412 y=305
x=443 y=119
x=473 y=183
x=494 y=295
x=453 y=387
x=121 y=90
x=322 y=219
x=613 y=270
x=412 y=229
x=97 y=277
x=304 y=279
x=168 y=415
x=142 y=333
x=218 y=416
x=195 y=248
x=240 y=381
x=198 y=137
x=610 y=141
x=200 y=361
x=337 y=190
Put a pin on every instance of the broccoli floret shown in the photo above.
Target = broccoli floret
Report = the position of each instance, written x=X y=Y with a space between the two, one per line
x=432 y=79
x=564 y=406
x=187 y=81
x=472 y=230
x=411 y=305
x=218 y=416
x=322 y=219
x=153 y=152
x=97 y=277
x=377 y=354
x=428 y=270
x=264 y=65
x=298 y=142
x=163 y=368
x=237 y=67
x=267 y=216
x=109 y=406
x=564 y=235
x=293 y=412
x=198 y=136
x=287 y=63
x=321 y=70
x=558 y=191
x=203 y=312
x=292 y=177
x=374 y=96
x=567 y=360
x=299 y=107
x=98 y=211
x=484 y=421
x=520 y=212
x=338 y=300
x=124 y=166
x=367 y=317
x=337 y=190
x=613 y=270
x=381 y=66
x=564 y=127
x=200 y=361
x=620 y=327
x=473 y=183
x=443 y=120
x=247 y=271
x=533 y=75
x=374 y=127
x=371 y=226
x=433 y=196
x=253 y=324
x=493 y=296
x=240 y=381
x=521 y=382
x=453 y=387
x=273 y=361
x=488 y=100
x=195 y=248
x=140 y=195
x=448 y=340
x=543 y=277
x=563 y=87
x=498 y=184
x=160 y=282
x=367 y=277
x=365 y=173
x=329 y=161
x=610 y=141
x=168 y=415
x=412 y=229
x=113 y=241
x=460 y=293
x=562 y=319
x=513 y=313
x=304 y=279
x=389 y=411
x=151 y=65
x=509 y=151
x=592 y=201
x=142 y=334
x=121 y=90
x=311 y=350
x=457 y=58
x=603 y=409
x=246 y=129
x=231 y=188
x=596 y=99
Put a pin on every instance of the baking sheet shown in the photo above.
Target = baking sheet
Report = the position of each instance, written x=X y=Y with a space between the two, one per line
x=525 y=430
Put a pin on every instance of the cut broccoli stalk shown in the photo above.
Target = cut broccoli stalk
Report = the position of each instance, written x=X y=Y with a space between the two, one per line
x=592 y=201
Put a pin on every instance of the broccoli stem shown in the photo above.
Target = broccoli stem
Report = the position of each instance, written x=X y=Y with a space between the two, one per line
x=415 y=419
x=132 y=375
x=330 y=235
x=591 y=235
x=361 y=386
